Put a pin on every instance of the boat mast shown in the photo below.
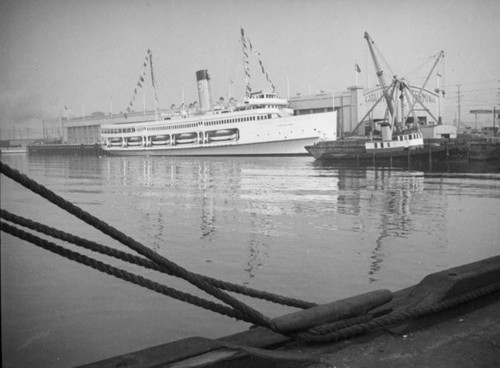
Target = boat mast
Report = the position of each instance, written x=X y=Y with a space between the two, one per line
x=246 y=67
x=150 y=54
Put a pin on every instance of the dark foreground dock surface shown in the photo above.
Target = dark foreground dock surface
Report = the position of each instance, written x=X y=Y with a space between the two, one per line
x=467 y=335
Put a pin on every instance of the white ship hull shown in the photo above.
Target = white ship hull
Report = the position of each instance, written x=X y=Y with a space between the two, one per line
x=292 y=147
x=281 y=136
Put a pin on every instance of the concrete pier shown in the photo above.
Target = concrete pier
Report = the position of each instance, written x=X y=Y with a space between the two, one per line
x=67 y=149
x=467 y=335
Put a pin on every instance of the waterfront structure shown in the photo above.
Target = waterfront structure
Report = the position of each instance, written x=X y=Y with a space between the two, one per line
x=81 y=131
x=438 y=131
x=87 y=129
x=350 y=104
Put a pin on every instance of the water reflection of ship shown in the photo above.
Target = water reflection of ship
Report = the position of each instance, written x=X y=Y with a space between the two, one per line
x=218 y=183
x=213 y=182
x=261 y=226
x=386 y=196
x=72 y=167
x=210 y=185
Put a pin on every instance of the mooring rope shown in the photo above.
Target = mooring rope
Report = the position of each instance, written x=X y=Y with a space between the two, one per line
x=146 y=263
x=326 y=333
x=121 y=274
x=333 y=332
x=250 y=314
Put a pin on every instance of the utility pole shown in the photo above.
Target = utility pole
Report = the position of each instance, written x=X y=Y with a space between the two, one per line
x=458 y=122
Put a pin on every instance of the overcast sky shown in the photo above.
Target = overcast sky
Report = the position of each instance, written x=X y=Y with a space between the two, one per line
x=88 y=55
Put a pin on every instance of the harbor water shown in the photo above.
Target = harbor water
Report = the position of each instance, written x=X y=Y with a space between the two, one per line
x=291 y=226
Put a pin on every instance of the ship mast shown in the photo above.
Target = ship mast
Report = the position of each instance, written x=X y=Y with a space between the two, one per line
x=248 y=89
x=246 y=64
x=142 y=76
x=153 y=82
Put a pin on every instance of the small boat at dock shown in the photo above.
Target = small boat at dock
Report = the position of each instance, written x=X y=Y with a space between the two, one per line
x=356 y=150
x=403 y=144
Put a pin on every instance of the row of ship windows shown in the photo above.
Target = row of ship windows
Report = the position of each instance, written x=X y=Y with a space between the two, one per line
x=119 y=130
x=382 y=145
x=263 y=96
x=179 y=126
x=238 y=120
x=192 y=125
x=409 y=136
x=263 y=107
x=400 y=138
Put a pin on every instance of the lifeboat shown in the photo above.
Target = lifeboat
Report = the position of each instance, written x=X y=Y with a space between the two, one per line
x=159 y=140
x=223 y=135
x=134 y=141
x=185 y=138
x=117 y=141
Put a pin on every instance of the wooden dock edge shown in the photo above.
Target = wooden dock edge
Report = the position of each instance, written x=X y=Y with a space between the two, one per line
x=199 y=352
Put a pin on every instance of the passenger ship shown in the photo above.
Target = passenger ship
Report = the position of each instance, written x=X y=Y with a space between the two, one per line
x=263 y=126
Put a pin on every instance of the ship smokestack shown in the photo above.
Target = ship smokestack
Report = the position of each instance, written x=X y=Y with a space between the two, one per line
x=204 y=95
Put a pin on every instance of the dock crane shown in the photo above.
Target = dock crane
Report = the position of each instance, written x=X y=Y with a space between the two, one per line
x=380 y=75
x=417 y=97
x=401 y=86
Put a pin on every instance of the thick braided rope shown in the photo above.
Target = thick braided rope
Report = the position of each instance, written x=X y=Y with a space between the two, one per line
x=339 y=325
x=398 y=317
x=250 y=313
x=121 y=274
x=131 y=258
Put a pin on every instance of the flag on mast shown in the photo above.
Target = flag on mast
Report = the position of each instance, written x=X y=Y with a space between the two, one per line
x=357 y=70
